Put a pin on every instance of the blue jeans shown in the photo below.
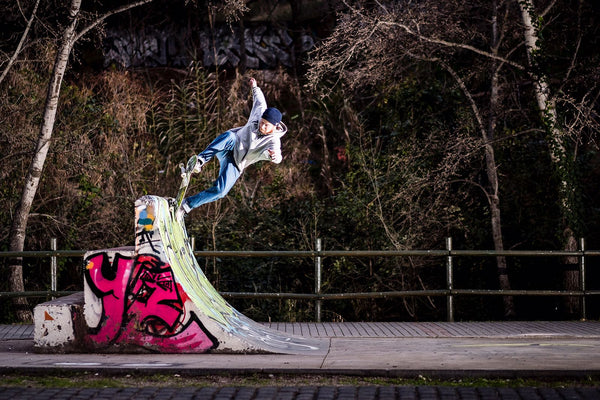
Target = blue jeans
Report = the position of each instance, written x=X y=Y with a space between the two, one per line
x=222 y=147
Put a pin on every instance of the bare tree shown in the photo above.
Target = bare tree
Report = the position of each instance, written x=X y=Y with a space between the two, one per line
x=34 y=174
x=372 y=46
x=375 y=42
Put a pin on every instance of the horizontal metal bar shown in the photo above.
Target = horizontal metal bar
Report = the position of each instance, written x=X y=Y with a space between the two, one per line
x=323 y=253
x=481 y=292
x=334 y=296
x=353 y=296
x=408 y=293
x=47 y=293
x=396 y=253
x=522 y=253
x=43 y=253
x=335 y=253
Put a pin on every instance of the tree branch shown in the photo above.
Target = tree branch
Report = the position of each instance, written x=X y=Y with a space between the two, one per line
x=101 y=19
x=21 y=42
x=452 y=44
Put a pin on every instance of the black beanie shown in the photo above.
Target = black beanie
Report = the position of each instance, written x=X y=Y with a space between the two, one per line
x=272 y=115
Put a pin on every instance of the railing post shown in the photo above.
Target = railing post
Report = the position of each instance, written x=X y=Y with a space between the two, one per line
x=582 y=278
x=53 y=263
x=318 y=280
x=449 y=283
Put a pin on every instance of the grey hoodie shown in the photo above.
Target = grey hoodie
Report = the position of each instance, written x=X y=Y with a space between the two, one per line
x=250 y=145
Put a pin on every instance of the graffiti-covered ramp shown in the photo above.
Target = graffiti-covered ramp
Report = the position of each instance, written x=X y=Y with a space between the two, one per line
x=155 y=296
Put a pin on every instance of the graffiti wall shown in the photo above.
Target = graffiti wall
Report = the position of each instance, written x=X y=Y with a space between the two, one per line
x=133 y=299
x=263 y=47
x=155 y=296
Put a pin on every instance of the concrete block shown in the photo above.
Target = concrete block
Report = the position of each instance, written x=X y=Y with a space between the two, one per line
x=59 y=324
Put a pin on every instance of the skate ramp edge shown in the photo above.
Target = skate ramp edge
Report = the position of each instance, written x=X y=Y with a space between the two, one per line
x=154 y=297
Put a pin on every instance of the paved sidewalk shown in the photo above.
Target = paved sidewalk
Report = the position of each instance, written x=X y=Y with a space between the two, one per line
x=399 y=349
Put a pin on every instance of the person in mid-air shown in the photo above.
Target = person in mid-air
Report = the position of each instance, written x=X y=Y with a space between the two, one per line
x=238 y=148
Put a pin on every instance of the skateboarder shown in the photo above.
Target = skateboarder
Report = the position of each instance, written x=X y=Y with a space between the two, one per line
x=239 y=148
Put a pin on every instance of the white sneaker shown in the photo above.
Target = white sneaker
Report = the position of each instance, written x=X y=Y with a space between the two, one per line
x=182 y=211
x=198 y=166
x=180 y=214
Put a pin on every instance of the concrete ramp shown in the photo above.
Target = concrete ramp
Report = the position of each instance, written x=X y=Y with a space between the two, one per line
x=154 y=296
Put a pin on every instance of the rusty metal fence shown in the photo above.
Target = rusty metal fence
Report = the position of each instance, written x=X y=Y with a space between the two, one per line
x=449 y=254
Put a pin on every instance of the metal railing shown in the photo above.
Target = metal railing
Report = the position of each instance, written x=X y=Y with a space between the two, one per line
x=318 y=254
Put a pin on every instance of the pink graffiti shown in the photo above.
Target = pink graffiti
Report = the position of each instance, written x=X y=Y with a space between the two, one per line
x=143 y=306
x=154 y=298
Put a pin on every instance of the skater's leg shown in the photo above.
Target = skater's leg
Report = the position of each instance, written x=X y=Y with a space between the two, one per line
x=222 y=143
x=228 y=175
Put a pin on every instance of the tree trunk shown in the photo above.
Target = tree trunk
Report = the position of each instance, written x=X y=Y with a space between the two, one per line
x=558 y=151
x=504 y=282
x=494 y=198
x=34 y=174
x=19 y=225
x=492 y=194
x=492 y=171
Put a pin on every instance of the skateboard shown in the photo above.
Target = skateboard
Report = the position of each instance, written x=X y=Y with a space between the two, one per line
x=186 y=173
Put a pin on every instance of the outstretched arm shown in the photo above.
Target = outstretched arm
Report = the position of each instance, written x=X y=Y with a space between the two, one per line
x=259 y=103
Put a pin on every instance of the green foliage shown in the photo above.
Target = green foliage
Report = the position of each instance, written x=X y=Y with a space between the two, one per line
x=186 y=118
